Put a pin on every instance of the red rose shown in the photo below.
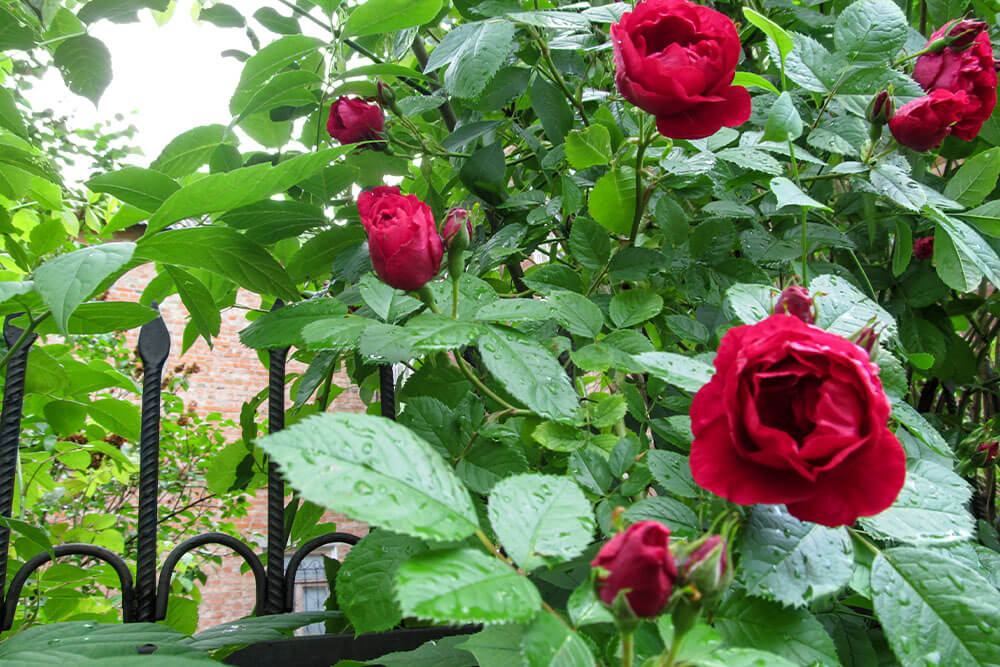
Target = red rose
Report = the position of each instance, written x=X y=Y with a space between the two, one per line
x=796 y=415
x=923 y=248
x=352 y=120
x=403 y=241
x=676 y=60
x=795 y=301
x=970 y=71
x=639 y=562
x=924 y=123
x=708 y=567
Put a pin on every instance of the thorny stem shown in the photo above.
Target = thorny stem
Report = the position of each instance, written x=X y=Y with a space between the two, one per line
x=468 y=373
x=628 y=649
x=558 y=78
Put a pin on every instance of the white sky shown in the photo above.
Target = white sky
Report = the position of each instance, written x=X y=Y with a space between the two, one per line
x=167 y=79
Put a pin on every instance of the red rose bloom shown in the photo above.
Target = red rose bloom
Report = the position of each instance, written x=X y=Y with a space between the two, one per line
x=796 y=415
x=352 y=120
x=795 y=301
x=403 y=241
x=639 y=562
x=970 y=70
x=676 y=60
x=923 y=248
x=924 y=123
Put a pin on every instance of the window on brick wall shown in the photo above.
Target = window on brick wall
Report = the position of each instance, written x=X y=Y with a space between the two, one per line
x=311 y=589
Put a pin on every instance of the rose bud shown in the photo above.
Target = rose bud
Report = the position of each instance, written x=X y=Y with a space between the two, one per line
x=352 y=120
x=403 y=242
x=795 y=301
x=458 y=218
x=867 y=340
x=881 y=108
x=676 y=60
x=963 y=33
x=708 y=568
x=986 y=454
x=923 y=248
x=924 y=123
x=637 y=563
x=970 y=70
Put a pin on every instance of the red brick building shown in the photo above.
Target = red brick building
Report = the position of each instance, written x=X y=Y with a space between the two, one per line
x=231 y=374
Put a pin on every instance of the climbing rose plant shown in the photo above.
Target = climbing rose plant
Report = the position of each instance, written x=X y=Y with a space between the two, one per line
x=689 y=314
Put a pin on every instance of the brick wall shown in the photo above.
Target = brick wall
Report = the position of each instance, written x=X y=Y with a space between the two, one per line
x=230 y=374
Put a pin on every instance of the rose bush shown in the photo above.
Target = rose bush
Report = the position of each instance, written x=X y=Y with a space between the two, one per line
x=604 y=350
x=797 y=416
x=676 y=60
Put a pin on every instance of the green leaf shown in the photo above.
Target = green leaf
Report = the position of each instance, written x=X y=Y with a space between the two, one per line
x=781 y=38
x=895 y=184
x=612 y=200
x=783 y=122
x=473 y=53
x=902 y=249
x=10 y=117
x=580 y=315
x=552 y=109
x=794 y=634
x=792 y=561
x=969 y=243
x=254 y=629
x=811 y=66
x=226 y=191
x=930 y=509
x=530 y=373
x=589 y=243
x=515 y=310
x=118 y=11
x=374 y=470
x=466 y=586
x=273 y=58
x=930 y=605
x=540 y=519
x=269 y=221
x=284 y=327
x=682 y=521
x=975 y=179
x=198 y=301
x=789 y=194
x=101 y=642
x=843 y=310
x=430 y=332
x=342 y=334
x=634 y=306
x=386 y=16
x=676 y=369
x=85 y=65
x=117 y=416
x=190 y=150
x=365 y=589
x=870 y=30
x=496 y=645
x=750 y=303
x=222 y=15
x=13 y=34
x=672 y=471
x=548 y=642
x=34 y=534
x=751 y=80
x=142 y=188
x=297 y=88
x=100 y=317
x=588 y=147
x=954 y=267
x=271 y=19
x=986 y=218
x=64 y=282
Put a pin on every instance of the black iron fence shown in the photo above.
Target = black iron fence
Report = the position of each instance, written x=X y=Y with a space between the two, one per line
x=146 y=599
